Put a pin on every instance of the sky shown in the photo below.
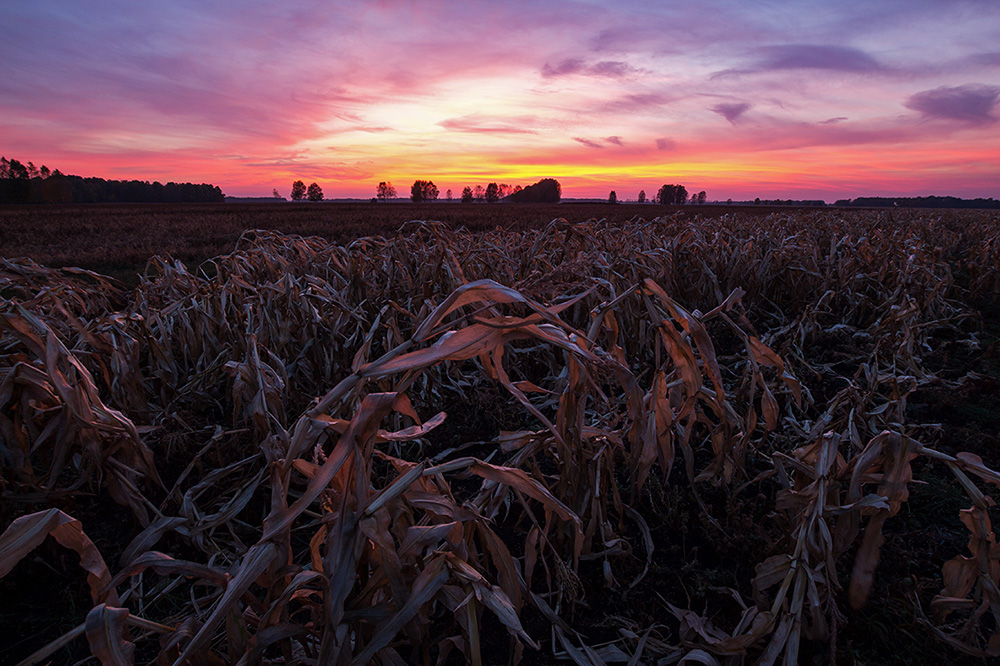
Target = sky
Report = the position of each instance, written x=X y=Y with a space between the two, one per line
x=796 y=99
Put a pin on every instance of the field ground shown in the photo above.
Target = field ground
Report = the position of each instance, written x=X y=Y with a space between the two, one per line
x=725 y=431
x=118 y=239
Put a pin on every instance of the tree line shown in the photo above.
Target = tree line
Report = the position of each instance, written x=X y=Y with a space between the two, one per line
x=546 y=190
x=24 y=183
x=920 y=202
x=676 y=194
x=667 y=195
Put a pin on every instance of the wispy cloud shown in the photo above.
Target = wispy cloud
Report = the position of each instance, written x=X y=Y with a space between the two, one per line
x=968 y=103
x=666 y=144
x=477 y=124
x=590 y=143
x=833 y=121
x=615 y=140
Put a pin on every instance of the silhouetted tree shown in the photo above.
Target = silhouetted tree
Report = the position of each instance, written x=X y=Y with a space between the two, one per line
x=298 y=190
x=701 y=197
x=478 y=193
x=32 y=170
x=275 y=194
x=423 y=190
x=466 y=194
x=546 y=190
x=447 y=195
x=612 y=198
x=385 y=191
x=17 y=171
x=315 y=192
x=505 y=190
x=665 y=195
x=44 y=172
x=4 y=168
x=672 y=194
x=642 y=196
x=492 y=193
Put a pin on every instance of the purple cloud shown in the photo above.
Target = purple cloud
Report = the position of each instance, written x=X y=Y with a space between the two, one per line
x=788 y=57
x=812 y=56
x=833 y=121
x=992 y=58
x=476 y=123
x=666 y=144
x=731 y=111
x=588 y=142
x=615 y=140
x=612 y=69
x=969 y=103
x=607 y=68
x=638 y=101
x=564 y=68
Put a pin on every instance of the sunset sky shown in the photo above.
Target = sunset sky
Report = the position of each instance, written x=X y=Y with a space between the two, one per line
x=793 y=99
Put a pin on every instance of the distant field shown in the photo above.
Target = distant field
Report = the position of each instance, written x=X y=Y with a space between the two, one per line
x=120 y=238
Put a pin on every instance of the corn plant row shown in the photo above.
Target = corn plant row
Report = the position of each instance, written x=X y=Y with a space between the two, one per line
x=309 y=418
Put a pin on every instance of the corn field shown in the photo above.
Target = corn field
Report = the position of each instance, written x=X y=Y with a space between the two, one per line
x=670 y=441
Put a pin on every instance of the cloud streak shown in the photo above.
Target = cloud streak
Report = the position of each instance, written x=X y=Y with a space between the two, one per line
x=814 y=56
x=479 y=124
